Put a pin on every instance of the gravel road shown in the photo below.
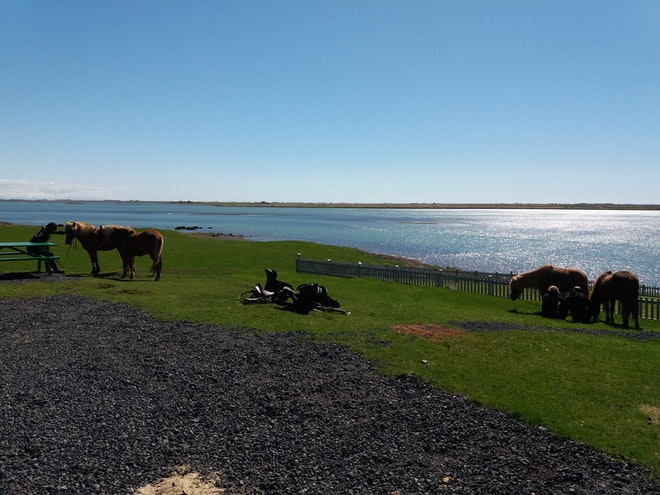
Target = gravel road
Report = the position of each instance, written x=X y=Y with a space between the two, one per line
x=98 y=398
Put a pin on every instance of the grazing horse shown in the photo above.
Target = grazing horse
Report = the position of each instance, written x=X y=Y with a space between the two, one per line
x=609 y=287
x=600 y=294
x=131 y=244
x=91 y=238
x=543 y=277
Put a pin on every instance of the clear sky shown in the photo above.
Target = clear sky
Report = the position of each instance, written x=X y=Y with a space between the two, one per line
x=331 y=100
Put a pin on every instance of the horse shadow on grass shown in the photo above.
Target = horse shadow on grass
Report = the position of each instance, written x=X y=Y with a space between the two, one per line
x=116 y=276
x=488 y=326
x=34 y=277
x=614 y=326
x=518 y=312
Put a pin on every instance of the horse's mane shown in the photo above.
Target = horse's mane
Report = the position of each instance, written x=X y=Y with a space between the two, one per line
x=600 y=285
x=81 y=229
x=109 y=228
x=533 y=277
x=107 y=231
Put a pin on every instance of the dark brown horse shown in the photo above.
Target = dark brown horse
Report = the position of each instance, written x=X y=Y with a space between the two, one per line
x=91 y=239
x=610 y=287
x=600 y=294
x=131 y=244
x=543 y=277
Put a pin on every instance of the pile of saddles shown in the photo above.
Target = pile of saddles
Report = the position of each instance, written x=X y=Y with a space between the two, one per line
x=302 y=299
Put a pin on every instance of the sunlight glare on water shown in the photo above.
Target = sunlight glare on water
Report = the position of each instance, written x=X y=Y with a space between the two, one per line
x=487 y=240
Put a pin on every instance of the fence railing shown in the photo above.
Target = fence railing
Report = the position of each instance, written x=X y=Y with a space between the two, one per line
x=491 y=284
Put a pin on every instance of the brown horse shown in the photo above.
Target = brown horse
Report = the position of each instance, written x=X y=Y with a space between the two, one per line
x=545 y=276
x=131 y=244
x=91 y=238
x=600 y=294
x=610 y=287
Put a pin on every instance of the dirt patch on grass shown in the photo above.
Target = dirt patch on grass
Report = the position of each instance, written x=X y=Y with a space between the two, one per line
x=434 y=333
x=653 y=413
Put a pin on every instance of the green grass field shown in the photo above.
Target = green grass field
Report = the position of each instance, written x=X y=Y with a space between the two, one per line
x=601 y=390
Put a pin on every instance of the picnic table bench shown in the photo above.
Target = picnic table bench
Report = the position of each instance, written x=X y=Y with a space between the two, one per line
x=18 y=251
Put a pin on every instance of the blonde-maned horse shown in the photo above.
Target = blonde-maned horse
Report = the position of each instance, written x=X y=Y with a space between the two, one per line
x=610 y=287
x=545 y=276
x=131 y=244
x=91 y=238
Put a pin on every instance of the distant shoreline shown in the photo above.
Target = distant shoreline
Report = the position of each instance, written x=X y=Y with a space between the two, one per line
x=418 y=206
x=449 y=206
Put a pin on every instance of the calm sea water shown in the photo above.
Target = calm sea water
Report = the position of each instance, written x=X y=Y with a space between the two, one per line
x=483 y=240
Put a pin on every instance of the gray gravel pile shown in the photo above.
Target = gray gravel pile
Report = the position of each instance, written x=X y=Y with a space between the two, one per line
x=98 y=398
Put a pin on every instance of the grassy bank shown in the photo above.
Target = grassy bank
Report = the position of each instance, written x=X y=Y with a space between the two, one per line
x=602 y=390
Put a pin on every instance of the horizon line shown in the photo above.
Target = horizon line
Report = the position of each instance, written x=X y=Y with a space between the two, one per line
x=350 y=204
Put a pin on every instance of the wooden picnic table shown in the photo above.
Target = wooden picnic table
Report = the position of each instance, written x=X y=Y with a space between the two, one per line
x=18 y=251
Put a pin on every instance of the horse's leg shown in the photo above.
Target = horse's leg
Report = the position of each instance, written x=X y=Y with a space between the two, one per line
x=606 y=307
x=125 y=264
x=132 y=265
x=154 y=268
x=625 y=312
x=94 y=258
x=158 y=267
x=595 y=308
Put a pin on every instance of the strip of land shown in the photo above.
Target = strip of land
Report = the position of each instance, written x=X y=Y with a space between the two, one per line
x=450 y=206
x=428 y=206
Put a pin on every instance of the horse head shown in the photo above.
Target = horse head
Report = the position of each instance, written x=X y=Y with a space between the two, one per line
x=70 y=229
x=515 y=288
x=601 y=285
x=79 y=230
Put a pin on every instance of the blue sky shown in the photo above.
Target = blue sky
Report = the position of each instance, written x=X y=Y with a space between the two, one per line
x=335 y=101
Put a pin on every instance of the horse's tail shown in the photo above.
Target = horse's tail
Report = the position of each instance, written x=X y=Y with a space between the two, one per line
x=157 y=255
